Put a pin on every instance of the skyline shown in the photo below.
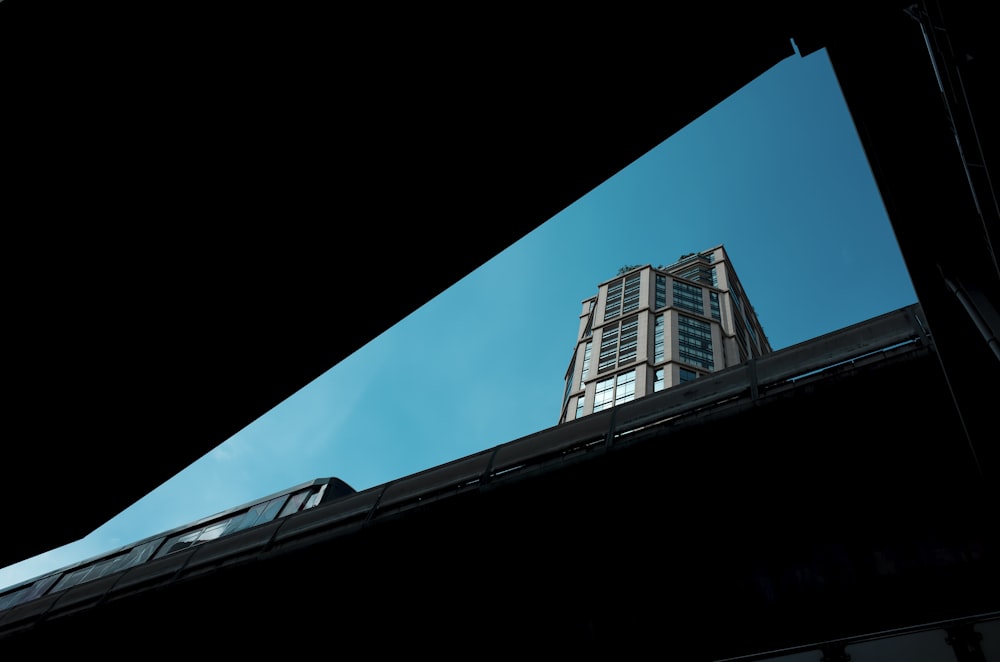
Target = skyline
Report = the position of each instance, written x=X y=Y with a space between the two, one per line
x=775 y=173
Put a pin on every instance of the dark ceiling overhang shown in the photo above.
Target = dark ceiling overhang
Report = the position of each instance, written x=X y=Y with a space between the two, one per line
x=214 y=208
x=620 y=531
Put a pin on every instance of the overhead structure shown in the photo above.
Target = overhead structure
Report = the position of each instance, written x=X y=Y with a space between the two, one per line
x=195 y=198
x=613 y=533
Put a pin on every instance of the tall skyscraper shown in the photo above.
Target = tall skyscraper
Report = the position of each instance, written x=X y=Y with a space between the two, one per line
x=650 y=328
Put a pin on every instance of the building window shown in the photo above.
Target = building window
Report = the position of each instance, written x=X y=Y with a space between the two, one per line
x=628 y=341
x=658 y=327
x=613 y=304
x=697 y=272
x=586 y=363
x=623 y=297
x=618 y=344
x=604 y=396
x=658 y=381
x=713 y=300
x=579 y=407
x=588 y=330
x=609 y=348
x=688 y=297
x=688 y=375
x=625 y=387
x=660 y=299
x=614 y=390
x=631 y=302
x=694 y=340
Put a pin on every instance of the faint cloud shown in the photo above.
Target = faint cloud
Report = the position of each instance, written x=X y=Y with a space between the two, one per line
x=233 y=449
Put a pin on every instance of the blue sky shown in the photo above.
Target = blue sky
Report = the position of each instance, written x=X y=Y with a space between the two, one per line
x=776 y=173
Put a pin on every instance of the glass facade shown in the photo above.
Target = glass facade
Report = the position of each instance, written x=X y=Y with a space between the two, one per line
x=604 y=396
x=688 y=297
x=625 y=387
x=694 y=340
x=614 y=390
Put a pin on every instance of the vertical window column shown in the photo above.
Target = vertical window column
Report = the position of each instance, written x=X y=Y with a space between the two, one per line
x=613 y=304
x=694 y=340
x=658 y=327
x=628 y=340
x=609 y=348
x=631 y=301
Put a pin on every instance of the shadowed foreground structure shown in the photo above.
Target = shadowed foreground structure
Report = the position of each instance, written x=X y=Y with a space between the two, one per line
x=151 y=323
x=619 y=532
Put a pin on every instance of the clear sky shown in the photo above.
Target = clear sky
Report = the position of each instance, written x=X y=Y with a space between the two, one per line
x=776 y=173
